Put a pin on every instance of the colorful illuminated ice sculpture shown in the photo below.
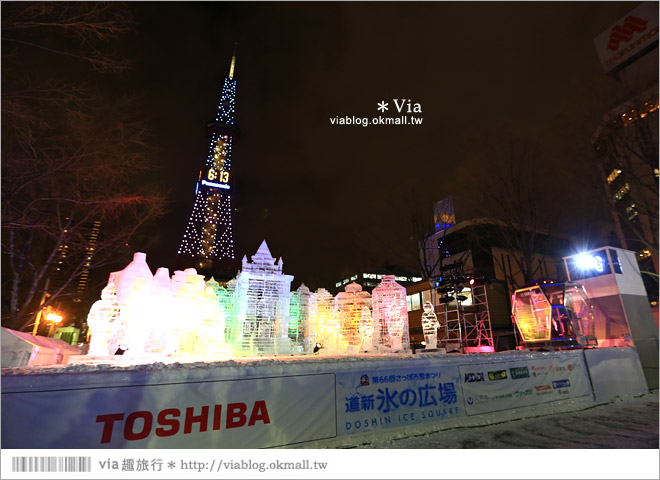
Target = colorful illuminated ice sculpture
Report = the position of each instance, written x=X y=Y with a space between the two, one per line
x=134 y=296
x=188 y=292
x=262 y=303
x=349 y=305
x=211 y=335
x=161 y=311
x=430 y=326
x=327 y=319
x=366 y=330
x=390 y=313
x=103 y=321
x=302 y=331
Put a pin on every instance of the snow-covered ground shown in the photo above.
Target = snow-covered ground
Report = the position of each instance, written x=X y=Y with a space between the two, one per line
x=627 y=423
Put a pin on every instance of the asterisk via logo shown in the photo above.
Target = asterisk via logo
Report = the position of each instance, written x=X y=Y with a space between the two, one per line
x=382 y=106
x=171 y=464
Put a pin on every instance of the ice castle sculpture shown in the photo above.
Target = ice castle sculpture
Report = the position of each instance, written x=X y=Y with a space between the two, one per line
x=254 y=314
x=430 y=326
x=390 y=314
x=103 y=320
x=349 y=305
x=262 y=295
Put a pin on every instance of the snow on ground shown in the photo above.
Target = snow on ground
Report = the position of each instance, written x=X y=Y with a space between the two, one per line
x=624 y=423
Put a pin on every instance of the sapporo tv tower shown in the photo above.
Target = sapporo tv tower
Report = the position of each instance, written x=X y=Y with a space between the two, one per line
x=208 y=242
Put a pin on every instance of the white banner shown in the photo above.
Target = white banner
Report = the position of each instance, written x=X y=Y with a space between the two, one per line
x=491 y=387
x=373 y=400
x=250 y=413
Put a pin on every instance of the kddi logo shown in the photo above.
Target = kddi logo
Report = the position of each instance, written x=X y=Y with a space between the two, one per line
x=473 y=377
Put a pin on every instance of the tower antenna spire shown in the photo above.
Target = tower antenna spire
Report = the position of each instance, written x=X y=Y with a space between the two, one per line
x=233 y=62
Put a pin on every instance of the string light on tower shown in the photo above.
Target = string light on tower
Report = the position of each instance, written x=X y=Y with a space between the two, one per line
x=209 y=235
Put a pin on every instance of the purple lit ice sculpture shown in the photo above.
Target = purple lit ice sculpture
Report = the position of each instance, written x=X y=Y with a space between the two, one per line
x=161 y=312
x=430 y=326
x=390 y=313
x=349 y=306
x=133 y=294
x=103 y=321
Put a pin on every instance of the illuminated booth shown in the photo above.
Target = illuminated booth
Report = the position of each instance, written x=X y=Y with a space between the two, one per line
x=621 y=307
x=551 y=314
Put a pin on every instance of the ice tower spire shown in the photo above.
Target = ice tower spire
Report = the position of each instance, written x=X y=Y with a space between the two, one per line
x=208 y=241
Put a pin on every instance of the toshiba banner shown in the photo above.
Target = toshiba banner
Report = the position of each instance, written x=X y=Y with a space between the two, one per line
x=491 y=387
x=629 y=35
x=250 y=413
x=373 y=400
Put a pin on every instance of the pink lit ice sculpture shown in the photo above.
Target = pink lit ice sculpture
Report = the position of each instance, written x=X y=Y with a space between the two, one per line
x=349 y=306
x=133 y=294
x=103 y=321
x=430 y=326
x=160 y=311
x=262 y=302
x=390 y=313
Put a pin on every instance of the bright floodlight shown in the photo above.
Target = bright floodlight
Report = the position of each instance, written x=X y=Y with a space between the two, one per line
x=585 y=261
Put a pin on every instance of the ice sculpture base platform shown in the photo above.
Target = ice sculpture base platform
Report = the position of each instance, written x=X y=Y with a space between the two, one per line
x=311 y=401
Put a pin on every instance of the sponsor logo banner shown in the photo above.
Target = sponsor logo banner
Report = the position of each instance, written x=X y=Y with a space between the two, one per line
x=249 y=413
x=529 y=382
x=628 y=36
x=373 y=400
x=519 y=372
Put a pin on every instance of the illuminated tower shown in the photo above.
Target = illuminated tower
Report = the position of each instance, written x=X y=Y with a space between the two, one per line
x=208 y=242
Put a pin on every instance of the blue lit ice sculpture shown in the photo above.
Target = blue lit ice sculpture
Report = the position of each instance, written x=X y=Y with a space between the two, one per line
x=390 y=313
x=103 y=321
x=430 y=326
x=349 y=306
x=262 y=306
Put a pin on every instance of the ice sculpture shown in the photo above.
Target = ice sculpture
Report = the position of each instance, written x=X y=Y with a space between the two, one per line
x=103 y=321
x=188 y=290
x=211 y=335
x=430 y=326
x=349 y=306
x=161 y=312
x=327 y=321
x=262 y=302
x=390 y=313
x=133 y=294
x=302 y=330
x=366 y=330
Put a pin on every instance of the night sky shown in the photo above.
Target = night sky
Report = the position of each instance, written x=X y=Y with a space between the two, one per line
x=332 y=199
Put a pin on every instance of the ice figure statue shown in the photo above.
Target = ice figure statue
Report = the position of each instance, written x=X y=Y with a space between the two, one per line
x=328 y=322
x=390 y=312
x=211 y=335
x=133 y=294
x=366 y=330
x=160 y=311
x=430 y=326
x=349 y=306
x=103 y=321
x=227 y=302
x=262 y=306
x=187 y=290
x=301 y=330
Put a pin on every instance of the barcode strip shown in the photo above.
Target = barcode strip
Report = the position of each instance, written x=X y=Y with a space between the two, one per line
x=51 y=464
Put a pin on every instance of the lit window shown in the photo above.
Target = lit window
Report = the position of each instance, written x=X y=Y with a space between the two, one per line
x=615 y=173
